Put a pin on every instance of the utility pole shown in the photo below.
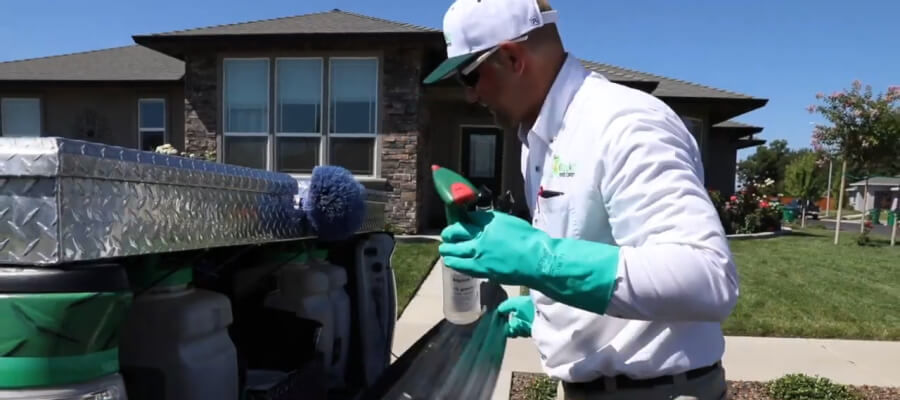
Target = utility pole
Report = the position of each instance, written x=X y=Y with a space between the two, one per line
x=828 y=193
x=894 y=230
x=837 y=226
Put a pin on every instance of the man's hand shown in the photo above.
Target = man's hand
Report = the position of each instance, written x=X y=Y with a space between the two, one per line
x=520 y=309
x=509 y=251
x=492 y=245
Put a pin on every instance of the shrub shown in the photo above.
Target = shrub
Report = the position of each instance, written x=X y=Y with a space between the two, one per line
x=749 y=210
x=804 y=387
x=542 y=388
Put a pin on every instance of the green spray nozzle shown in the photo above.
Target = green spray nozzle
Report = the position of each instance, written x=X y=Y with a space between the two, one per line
x=455 y=191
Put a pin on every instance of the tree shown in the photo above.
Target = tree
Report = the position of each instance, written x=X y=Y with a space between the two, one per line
x=769 y=162
x=805 y=180
x=862 y=132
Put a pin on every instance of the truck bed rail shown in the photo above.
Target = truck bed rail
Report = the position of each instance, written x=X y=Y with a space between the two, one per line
x=64 y=200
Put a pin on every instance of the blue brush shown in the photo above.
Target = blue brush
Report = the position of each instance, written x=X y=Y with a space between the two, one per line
x=335 y=205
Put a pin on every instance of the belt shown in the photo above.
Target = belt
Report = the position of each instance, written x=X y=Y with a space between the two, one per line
x=624 y=382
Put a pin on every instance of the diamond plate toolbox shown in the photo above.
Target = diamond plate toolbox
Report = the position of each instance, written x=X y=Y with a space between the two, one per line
x=65 y=200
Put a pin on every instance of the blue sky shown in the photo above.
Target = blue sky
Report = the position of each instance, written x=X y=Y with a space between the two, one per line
x=785 y=51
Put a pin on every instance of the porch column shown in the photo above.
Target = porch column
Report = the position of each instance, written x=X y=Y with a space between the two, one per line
x=200 y=111
x=400 y=155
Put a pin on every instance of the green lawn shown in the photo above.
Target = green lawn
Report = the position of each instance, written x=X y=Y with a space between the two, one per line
x=799 y=285
x=802 y=285
x=411 y=262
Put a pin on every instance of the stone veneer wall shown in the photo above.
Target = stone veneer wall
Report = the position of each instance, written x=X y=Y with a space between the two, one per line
x=402 y=147
x=402 y=104
x=200 y=111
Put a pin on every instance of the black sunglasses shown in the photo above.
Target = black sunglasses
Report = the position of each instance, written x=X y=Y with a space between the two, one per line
x=470 y=80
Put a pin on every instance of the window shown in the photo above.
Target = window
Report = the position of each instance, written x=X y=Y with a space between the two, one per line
x=20 y=117
x=246 y=112
x=353 y=114
x=325 y=111
x=299 y=114
x=151 y=123
x=695 y=127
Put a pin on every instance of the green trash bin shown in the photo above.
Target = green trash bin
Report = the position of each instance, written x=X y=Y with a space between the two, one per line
x=875 y=215
x=891 y=218
x=788 y=214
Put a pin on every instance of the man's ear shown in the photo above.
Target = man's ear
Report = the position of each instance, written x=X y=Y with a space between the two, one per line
x=512 y=57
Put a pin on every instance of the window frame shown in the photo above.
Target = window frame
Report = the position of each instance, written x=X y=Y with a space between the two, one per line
x=700 y=123
x=325 y=135
x=142 y=130
x=268 y=117
x=376 y=163
x=461 y=133
x=323 y=118
x=377 y=96
x=40 y=117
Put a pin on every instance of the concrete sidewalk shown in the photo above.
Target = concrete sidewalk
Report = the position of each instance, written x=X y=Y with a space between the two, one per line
x=746 y=358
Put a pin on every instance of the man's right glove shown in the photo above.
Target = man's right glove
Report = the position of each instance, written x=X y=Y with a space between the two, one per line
x=521 y=309
x=509 y=251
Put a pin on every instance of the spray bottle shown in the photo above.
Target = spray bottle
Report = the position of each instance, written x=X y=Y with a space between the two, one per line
x=462 y=293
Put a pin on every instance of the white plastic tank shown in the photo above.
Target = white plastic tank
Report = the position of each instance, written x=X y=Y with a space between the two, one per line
x=304 y=290
x=340 y=304
x=174 y=343
x=376 y=301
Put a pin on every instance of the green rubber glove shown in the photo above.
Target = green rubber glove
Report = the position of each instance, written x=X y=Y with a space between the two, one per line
x=508 y=250
x=521 y=312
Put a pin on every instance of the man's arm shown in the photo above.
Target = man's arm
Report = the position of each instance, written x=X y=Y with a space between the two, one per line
x=674 y=261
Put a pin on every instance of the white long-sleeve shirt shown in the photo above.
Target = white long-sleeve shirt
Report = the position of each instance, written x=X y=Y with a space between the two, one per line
x=631 y=175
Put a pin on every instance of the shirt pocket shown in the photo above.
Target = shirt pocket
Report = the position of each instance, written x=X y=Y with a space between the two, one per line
x=553 y=214
x=588 y=217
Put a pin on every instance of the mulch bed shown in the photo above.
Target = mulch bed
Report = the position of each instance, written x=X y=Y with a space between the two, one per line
x=737 y=390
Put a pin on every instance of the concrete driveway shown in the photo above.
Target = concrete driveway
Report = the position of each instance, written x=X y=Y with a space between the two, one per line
x=848 y=226
x=854 y=362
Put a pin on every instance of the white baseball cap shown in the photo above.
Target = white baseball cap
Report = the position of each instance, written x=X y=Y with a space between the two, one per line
x=473 y=26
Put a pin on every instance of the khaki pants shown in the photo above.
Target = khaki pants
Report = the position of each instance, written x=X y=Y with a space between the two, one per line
x=711 y=386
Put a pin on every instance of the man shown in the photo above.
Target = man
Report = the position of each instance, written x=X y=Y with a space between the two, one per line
x=628 y=264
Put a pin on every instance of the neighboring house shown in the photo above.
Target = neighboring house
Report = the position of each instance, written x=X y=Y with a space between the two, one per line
x=884 y=193
x=339 y=88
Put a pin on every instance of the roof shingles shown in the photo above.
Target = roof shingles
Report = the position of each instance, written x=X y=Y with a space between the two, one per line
x=142 y=63
x=668 y=87
x=879 y=181
x=335 y=21
x=735 y=125
x=128 y=63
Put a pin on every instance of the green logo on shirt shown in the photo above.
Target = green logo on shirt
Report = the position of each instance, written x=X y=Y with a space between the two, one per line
x=562 y=169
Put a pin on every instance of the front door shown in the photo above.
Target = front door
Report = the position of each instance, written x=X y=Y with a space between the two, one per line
x=482 y=153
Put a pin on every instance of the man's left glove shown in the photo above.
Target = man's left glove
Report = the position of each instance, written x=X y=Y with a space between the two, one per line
x=520 y=310
x=508 y=250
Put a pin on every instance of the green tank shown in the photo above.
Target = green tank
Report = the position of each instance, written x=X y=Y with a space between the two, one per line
x=60 y=327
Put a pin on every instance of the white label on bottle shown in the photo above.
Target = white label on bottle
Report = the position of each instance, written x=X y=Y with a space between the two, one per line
x=464 y=292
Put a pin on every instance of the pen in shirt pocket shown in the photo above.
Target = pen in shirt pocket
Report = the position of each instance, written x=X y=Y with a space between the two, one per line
x=546 y=194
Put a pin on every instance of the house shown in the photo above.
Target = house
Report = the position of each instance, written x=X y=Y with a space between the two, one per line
x=884 y=193
x=335 y=87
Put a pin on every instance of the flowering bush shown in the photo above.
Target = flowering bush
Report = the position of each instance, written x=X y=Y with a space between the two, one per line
x=750 y=210
x=168 y=149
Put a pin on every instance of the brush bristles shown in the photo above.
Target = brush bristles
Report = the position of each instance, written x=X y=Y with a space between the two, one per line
x=335 y=204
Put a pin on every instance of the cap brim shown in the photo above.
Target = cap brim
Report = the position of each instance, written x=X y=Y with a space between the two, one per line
x=447 y=68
